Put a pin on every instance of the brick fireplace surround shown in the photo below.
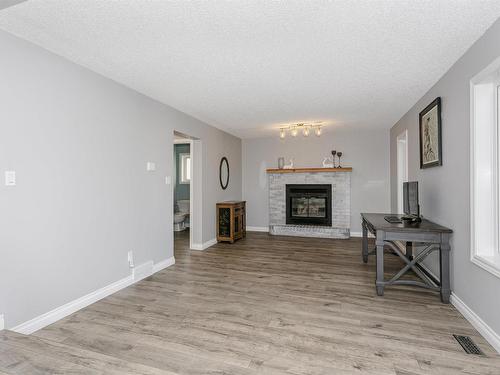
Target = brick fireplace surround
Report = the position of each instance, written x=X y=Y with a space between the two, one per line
x=339 y=178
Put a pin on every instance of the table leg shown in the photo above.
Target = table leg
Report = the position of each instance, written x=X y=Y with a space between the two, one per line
x=379 y=283
x=409 y=250
x=444 y=262
x=365 y=243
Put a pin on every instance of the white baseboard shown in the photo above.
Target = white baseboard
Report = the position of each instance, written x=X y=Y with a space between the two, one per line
x=142 y=271
x=257 y=229
x=69 y=308
x=484 y=329
x=204 y=245
x=163 y=264
x=139 y=272
x=360 y=234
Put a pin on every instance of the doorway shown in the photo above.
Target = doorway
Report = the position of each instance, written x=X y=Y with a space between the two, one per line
x=402 y=166
x=182 y=172
x=186 y=191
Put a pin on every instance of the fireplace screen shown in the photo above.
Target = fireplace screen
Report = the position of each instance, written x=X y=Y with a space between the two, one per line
x=308 y=207
x=308 y=204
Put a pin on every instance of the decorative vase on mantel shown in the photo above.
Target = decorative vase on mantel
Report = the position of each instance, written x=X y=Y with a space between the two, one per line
x=281 y=162
x=339 y=154
x=290 y=165
x=328 y=162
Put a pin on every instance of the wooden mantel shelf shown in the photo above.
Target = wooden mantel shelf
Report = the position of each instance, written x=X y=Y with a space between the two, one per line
x=308 y=170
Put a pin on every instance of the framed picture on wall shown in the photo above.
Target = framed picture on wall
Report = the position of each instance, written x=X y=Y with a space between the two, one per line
x=430 y=135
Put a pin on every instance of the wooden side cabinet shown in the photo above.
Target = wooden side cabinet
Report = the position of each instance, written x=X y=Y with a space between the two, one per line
x=231 y=221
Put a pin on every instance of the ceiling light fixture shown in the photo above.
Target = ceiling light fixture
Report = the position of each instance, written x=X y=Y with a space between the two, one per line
x=305 y=128
x=282 y=133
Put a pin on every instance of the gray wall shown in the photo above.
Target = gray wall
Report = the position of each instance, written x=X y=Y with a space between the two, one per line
x=181 y=191
x=367 y=151
x=79 y=143
x=444 y=191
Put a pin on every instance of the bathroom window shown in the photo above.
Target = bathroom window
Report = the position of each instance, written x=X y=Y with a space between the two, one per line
x=485 y=169
x=185 y=161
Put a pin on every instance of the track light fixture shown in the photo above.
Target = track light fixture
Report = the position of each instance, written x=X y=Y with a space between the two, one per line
x=305 y=128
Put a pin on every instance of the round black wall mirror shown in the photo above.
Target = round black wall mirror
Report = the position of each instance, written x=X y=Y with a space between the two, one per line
x=224 y=173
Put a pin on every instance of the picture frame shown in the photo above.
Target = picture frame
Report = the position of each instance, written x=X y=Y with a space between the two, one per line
x=431 y=152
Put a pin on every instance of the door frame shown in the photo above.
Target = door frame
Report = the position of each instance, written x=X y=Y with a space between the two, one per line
x=195 y=189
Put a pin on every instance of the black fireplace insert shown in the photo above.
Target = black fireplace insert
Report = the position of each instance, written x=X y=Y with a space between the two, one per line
x=309 y=204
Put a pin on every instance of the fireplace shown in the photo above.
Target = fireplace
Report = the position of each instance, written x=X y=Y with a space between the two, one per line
x=309 y=204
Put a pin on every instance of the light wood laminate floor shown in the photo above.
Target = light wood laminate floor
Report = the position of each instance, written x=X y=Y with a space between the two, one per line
x=264 y=305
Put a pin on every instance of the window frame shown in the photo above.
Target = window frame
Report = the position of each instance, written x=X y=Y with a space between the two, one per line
x=487 y=259
x=185 y=175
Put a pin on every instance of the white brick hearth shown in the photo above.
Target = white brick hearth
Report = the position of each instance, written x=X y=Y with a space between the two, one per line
x=341 y=203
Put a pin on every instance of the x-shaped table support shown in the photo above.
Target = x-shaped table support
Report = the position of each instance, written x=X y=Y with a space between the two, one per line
x=411 y=264
x=433 y=236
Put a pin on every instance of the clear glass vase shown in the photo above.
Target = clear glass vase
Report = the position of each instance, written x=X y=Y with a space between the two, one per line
x=281 y=162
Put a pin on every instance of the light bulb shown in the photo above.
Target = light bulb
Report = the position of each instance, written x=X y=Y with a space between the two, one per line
x=294 y=132
x=282 y=133
x=318 y=131
x=305 y=132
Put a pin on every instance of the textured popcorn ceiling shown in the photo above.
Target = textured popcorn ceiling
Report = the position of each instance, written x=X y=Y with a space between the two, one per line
x=249 y=66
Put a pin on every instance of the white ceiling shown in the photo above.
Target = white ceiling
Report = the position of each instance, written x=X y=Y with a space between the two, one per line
x=249 y=66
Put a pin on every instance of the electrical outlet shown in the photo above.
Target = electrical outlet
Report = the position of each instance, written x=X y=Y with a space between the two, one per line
x=130 y=258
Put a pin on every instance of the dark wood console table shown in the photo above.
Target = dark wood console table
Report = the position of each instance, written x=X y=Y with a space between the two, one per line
x=426 y=233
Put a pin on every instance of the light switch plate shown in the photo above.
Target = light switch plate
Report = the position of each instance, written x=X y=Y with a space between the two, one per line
x=150 y=166
x=168 y=180
x=10 y=178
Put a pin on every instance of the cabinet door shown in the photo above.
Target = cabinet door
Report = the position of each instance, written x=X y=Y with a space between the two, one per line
x=224 y=222
x=242 y=224
x=237 y=225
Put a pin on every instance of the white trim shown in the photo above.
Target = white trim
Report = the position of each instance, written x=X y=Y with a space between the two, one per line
x=69 y=308
x=257 y=229
x=204 y=245
x=195 y=188
x=184 y=177
x=484 y=329
x=196 y=192
x=360 y=234
x=163 y=264
x=2 y=322
x=484 y=264
x=191 y=192
x=60 y=312
x=181 y=141
x=142 y=271
x=490 y=75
